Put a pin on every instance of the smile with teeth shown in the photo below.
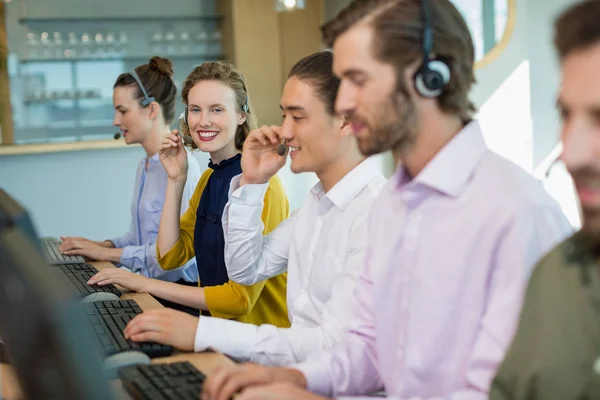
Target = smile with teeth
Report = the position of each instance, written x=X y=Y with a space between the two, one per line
x=207 y=135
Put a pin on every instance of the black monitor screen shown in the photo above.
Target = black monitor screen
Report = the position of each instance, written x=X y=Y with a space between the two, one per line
x=12 y=213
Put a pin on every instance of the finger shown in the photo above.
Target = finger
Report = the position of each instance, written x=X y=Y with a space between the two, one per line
x=150 y=336
x=254 y=393
x=142 y=327
x=169 y=143
x=142 y=322
x=271 y=134
x=102 y=275
x=74 y=252
x=262 y=135
x=70 y=244
x=110 y=281
x=234 y=383
x=277 y=130
x=216 y=380
x=176 y=137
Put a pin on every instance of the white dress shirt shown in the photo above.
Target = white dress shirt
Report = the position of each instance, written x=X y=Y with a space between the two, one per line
x=322 y=245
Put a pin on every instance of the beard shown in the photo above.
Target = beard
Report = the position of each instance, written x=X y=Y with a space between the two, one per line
x=393 y=126
x=589 y=177
x=591 y=223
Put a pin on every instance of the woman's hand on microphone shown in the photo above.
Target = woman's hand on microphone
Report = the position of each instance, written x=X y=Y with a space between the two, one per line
x=173 y=157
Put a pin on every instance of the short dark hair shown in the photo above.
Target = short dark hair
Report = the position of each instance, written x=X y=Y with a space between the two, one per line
x=577 y=28
x=398 y=31
x=318 y=70
x=157 y=78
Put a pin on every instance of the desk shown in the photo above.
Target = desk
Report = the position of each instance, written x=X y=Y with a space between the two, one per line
x=205 y=362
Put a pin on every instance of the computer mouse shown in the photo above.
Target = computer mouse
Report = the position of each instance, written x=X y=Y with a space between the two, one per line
x=100 y=296
x=112 y=364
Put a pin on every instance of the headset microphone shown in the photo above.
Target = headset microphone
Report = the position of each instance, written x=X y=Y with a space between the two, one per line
x=187 y=140
x=282 y=148
x=117 y=135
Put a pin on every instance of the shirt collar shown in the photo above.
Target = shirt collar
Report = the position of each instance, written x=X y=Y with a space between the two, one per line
x=154 y=158
x=151 y=161
x=343 y=192
x=452 y=167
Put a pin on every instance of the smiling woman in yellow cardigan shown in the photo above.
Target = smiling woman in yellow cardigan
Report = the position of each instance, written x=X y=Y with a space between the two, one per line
x=219 y=118
x=257 y=304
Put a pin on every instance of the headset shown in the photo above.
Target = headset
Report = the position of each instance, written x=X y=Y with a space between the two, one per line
x=434 y=74
x=147 y=99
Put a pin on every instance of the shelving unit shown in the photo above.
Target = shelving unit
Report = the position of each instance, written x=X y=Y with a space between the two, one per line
x=123 y=19
x=130 y=58
x=59 y=58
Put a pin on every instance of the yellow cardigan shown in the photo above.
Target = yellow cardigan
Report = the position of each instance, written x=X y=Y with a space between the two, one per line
x=261 y=303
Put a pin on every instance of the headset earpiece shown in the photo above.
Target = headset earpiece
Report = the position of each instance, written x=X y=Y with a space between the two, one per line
x=432 y=78
x=434 y=75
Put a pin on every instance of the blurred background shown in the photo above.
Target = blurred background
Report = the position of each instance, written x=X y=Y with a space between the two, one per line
x=60 y=58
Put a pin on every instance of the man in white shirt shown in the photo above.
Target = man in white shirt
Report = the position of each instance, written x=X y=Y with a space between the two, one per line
x=322 y=244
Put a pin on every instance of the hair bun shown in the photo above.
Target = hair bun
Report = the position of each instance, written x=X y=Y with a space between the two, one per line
x=162 y=65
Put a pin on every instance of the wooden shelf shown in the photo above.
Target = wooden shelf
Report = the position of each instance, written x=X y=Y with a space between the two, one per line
x=122 y=19
x=126 y=58
x=40 y=148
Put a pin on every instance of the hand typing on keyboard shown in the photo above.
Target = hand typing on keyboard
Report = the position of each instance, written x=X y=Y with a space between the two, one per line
x=275 y=391
x=164 y=326
x=254 y=382
x=118 y=276
x=87 y=248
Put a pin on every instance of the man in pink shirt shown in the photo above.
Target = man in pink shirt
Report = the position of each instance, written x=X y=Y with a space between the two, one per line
x=453 y=236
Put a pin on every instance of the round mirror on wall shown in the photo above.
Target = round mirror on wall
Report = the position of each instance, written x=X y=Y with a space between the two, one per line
x=491 y=23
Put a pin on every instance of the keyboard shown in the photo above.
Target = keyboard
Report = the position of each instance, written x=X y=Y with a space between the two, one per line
x=79 y=274
x=179 y=380
x=53 y=255
x=109 y=319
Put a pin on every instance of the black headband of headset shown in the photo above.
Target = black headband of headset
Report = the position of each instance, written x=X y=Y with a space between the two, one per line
x=427 y=32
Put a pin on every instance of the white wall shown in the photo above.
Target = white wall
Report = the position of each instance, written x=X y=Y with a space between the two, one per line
x=83 y=193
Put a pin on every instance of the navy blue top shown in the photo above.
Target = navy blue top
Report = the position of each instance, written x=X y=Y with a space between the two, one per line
x=209 y=243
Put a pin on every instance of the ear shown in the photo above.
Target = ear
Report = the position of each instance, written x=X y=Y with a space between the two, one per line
x=241 y=118
x=154 y=108
x=344 y=125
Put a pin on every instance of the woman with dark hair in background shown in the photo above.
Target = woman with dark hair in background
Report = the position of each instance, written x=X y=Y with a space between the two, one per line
x=144 y=102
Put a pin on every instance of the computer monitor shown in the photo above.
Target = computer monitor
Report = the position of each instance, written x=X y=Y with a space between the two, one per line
x=47 y=336
x=12 y=213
